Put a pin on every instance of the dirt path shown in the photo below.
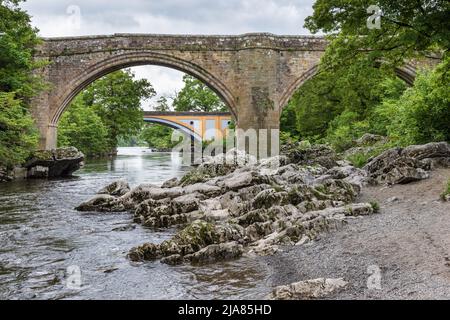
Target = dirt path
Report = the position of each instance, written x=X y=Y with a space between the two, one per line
x=409 y=240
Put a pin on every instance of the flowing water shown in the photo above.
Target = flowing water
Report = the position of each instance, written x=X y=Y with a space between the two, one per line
x=50 y=251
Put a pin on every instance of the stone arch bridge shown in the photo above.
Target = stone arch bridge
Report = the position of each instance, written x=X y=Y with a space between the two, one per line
x=255 y=74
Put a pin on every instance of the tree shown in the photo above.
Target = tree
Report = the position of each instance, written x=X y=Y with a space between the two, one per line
x=157 y=136
x=116 y=98
x=17 y=133
x=422 y=113
x=408 y=28
x=17 y=83
x=17 y=44
x=338 y=106
x=162 y=105
x=196 y=96
x=81 y=127
x=355 y=90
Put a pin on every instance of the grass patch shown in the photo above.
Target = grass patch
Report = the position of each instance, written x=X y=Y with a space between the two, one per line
x=375 y=206
x=359 y=159
x=446 y=191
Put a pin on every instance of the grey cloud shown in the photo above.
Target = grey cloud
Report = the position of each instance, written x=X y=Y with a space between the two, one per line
x=202 y=16
x=116 y=19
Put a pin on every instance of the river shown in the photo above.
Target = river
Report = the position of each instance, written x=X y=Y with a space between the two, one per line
x=43 y=241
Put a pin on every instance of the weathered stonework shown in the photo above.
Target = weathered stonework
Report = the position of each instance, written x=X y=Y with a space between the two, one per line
x=255 y=74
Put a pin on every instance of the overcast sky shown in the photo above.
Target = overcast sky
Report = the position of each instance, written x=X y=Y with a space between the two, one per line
x=87 y=17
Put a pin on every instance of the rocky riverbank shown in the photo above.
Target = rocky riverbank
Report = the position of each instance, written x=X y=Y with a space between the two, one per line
x=231 y=206
x=406 y=248
x=62 y=162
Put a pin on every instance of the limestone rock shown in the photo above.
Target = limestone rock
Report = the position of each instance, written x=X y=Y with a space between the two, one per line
x=117 y=188
x=174 y=182
x=193 y=238
x=369 y=139
x=102 y=203
x=311 y=155
x=400 y=165
x=54 y=163
x=309 y=289
x=173 y=260
x=217 y=252
x=427 y=151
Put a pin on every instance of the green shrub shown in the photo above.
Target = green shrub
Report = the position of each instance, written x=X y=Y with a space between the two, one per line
x=18 y=135
x=359 y=159
x=375 y=206
x=422 y=114
x=446 y=191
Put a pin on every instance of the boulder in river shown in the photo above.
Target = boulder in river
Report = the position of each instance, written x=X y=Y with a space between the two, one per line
x=116 y=188
x=62 y=162
x=102 y=202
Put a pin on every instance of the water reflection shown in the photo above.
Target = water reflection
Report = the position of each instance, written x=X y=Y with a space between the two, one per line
x=41 y=235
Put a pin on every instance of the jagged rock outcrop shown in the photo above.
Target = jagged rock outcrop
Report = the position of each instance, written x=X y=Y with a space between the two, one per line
x=300 y=154
x=404 y=165
x=309 y=289
x=55 y=163
x=366 y=145
x=230 y=206
x=370 y=139
x=195 y=243
x=102 y=203
x=229 y=209
x=117 y=188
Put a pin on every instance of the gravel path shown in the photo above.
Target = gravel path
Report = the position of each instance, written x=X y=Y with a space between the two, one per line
x=409 y=241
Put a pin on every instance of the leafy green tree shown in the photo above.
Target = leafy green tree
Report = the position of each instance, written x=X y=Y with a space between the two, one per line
x=17 y=44
x=422 y=113
x=17 y=133
x=81 y=127
x=162 y=105
x=355 y=90
x=338 y=106
x=408 y=28
x=196 y=96
x=157 y=136
x=116 y=98
x=17 y=83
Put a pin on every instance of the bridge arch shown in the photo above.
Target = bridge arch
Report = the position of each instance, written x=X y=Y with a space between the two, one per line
x=133 y=59
x=174 y=125
x=407 y=73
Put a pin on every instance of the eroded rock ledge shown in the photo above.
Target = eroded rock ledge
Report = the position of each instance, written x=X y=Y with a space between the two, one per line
x=404 y=165
x=43 y=164
x=225 y=209
x=60 y=162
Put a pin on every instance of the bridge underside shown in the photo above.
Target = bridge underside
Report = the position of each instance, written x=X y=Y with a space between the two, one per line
x=254 y=74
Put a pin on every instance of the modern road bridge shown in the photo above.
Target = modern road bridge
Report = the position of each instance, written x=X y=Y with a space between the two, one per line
x=202 y=126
